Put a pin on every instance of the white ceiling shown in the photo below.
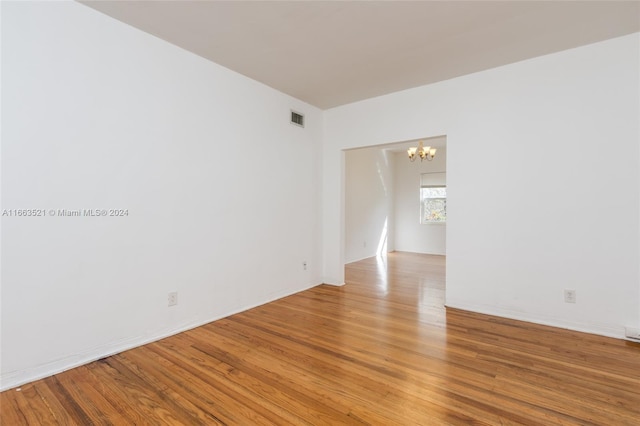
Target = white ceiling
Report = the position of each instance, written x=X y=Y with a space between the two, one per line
x=330 y=53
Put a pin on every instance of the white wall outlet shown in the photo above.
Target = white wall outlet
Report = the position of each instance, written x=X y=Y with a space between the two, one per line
x=304 y=265
x=364 y=244
x=173 y=298
x=632 y=333
x=569 y=296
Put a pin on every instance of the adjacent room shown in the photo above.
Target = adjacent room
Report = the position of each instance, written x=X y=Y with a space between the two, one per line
x=320 y=212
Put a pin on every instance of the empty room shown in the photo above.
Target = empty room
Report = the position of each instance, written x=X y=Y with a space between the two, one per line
x=320 y=213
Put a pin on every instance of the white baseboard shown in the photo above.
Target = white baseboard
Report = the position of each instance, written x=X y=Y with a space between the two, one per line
x=332 y=281
x=18 y=378
x=607 y=330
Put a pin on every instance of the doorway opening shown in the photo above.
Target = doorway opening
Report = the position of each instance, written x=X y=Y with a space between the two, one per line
x=384 y=208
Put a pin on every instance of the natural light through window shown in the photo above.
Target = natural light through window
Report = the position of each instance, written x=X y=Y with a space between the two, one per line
x=433 y=198
x=382 y=243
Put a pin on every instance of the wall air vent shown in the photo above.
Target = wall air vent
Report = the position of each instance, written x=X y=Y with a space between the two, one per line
x=297 y=118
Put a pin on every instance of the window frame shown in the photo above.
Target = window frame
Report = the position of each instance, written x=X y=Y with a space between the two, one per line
x=436 y=181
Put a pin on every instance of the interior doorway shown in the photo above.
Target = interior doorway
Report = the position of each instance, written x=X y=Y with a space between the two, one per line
x=384 y=217
x=385 y=200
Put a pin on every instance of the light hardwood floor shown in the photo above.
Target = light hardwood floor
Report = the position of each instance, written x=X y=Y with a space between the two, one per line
x=381 y=350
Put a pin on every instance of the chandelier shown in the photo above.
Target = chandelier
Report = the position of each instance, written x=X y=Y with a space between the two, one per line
x=422 y=152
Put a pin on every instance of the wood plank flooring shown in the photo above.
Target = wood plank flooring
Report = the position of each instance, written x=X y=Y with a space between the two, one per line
x=381 y=350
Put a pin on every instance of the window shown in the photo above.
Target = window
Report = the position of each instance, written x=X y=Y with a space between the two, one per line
x=433 y=198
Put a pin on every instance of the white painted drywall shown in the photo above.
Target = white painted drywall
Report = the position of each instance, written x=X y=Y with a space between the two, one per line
x=410 y=234
x=368 y=203
x=531 y=149
x=221 y=191
x=638 y=131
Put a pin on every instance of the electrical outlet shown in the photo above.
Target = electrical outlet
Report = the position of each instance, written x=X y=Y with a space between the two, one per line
x=304 y=265
x=173 y=298
x=569 y=296
x=364 y=244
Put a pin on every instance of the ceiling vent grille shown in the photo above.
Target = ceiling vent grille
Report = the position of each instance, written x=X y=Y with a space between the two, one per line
x=297 y=119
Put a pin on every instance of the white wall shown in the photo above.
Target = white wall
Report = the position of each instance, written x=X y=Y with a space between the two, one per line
x=368 y=203
x=530 y=147
x=222 y=191
x=410 y=234
x=96 y=114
